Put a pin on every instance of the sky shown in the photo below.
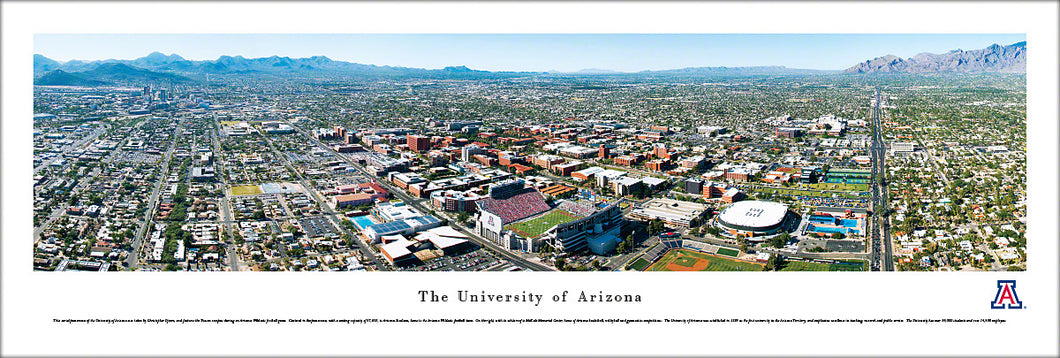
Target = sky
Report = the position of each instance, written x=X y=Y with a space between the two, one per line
x=527 y=52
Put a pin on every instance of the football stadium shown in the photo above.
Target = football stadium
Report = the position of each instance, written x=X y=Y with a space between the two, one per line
x=518 y=218
x=536 y=226
x=754 y=220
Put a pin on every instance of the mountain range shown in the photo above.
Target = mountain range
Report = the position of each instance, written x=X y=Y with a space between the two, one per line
x=107 y=74
x=995 y=58
x=174 y=69
x=158 y=65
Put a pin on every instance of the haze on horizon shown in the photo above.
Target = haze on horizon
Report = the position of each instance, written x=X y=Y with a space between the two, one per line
x=527 y=52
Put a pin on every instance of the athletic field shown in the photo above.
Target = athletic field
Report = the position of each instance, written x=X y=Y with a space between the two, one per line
x=728 y=252
x=536 y=226
x=685 y=260
x=246 y=190
x=816 y=266
x=639 y=265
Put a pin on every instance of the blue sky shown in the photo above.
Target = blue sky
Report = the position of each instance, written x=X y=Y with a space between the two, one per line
x=527 y=52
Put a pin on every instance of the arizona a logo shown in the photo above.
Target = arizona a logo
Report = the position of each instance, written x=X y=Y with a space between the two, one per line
x=1006 y=296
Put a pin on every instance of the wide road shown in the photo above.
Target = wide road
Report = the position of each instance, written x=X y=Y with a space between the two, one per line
x=489 y=245
x=226 y=209
x=882 y=257
x=133 y=260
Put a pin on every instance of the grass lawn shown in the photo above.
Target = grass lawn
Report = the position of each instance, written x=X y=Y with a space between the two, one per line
x=640 y=264
x=685 y=260
x=728 y=252
x=246 y=190
x=536 y=226
x=816 y=266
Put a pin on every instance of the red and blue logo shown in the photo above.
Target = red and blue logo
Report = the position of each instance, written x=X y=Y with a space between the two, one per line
x=1006 y=296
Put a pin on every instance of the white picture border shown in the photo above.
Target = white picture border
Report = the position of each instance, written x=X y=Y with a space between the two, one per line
x=32 y=299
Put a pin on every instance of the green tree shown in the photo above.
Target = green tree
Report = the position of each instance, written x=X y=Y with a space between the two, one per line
x=780 y=240
x=656 y=226
x=775 y=263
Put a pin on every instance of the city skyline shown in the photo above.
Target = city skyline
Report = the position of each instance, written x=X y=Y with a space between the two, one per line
x=528 y=52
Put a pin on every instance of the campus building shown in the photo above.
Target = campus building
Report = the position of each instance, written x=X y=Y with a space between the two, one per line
x=675 y=213
x=754 y=220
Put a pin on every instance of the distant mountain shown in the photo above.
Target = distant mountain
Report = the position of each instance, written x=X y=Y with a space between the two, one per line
x=62 y=78
x=739 y=71
x=597 y=71
x=996 y=58
x=267 y=66
x=703 y=71
x=125 y=73
x=109 y=73
x=43 y=64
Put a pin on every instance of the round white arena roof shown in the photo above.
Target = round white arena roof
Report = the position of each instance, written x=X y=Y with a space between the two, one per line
x=753 y=214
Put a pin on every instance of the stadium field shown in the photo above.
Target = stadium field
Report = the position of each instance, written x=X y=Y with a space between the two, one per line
x=536 y=226
x=728 y=252
x=685 y=260
x=246 y=190
x=639 y=265
x=817 y=266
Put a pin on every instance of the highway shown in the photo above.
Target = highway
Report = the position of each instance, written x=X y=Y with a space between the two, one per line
x=881 y=257
x=489 y=245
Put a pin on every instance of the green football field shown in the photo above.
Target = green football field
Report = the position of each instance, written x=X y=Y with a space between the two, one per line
x=685 y=260
x=536 y=226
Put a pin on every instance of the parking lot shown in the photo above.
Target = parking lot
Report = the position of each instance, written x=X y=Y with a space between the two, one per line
x=318 y=227
x=849 y=245
x=477 y=260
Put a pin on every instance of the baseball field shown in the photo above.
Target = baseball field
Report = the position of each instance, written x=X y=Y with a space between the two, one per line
x=685 y=260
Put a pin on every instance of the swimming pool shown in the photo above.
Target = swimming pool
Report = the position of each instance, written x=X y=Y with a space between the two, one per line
x=848 y=222
x=362 y=222
x=842 y=230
